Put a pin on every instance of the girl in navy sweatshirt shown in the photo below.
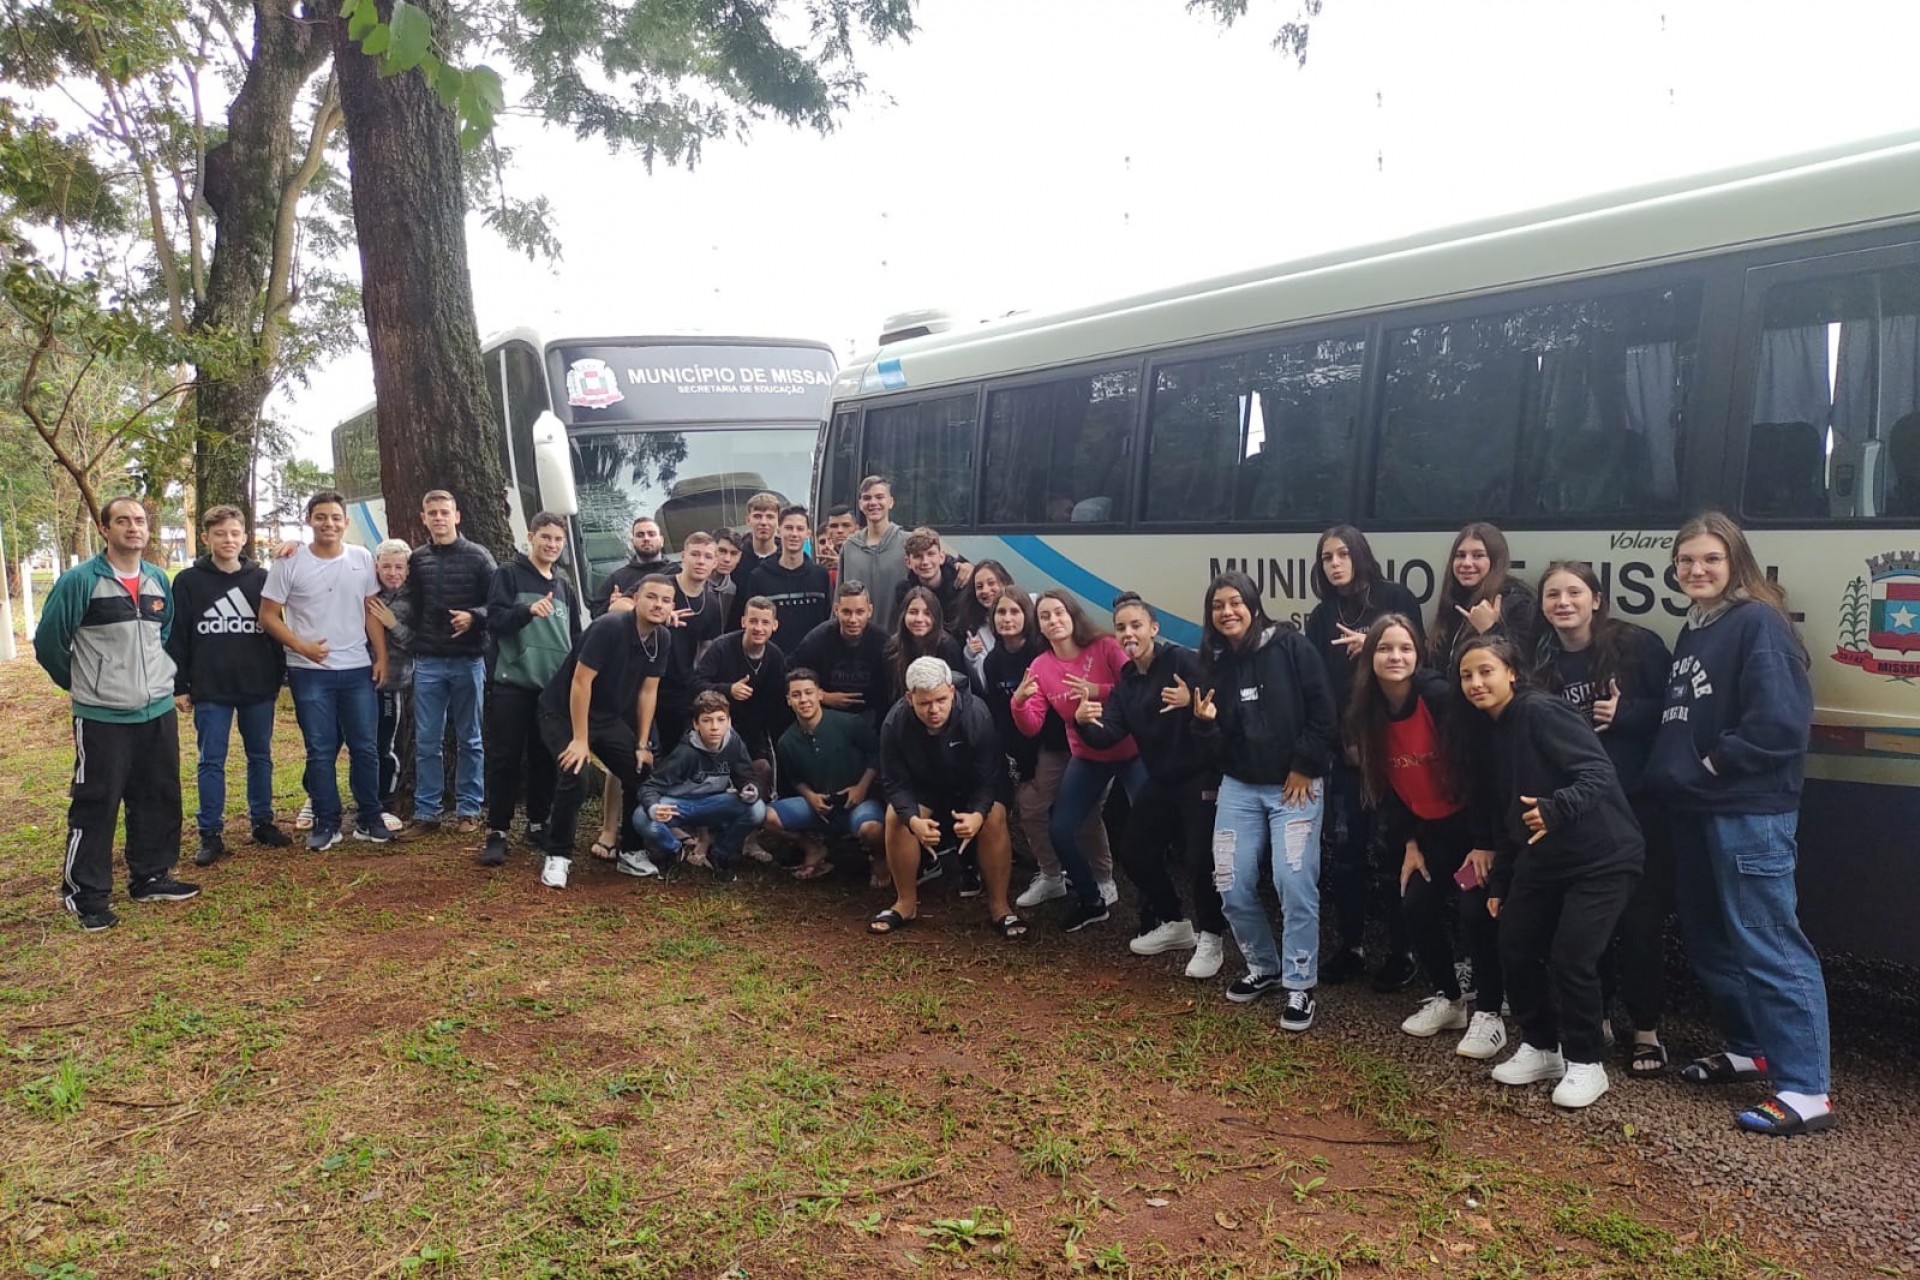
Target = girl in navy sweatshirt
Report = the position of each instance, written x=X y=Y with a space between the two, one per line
x=1481 y=597
x=1615 y=674
x=1412 y=750
x=1354 y=594
x=1729 y=759
x=1566 y=854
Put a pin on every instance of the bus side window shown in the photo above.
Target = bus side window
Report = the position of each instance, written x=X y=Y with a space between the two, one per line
x=1836 y=399
x=1058 y=453
x=840 y=470
x=926 y=449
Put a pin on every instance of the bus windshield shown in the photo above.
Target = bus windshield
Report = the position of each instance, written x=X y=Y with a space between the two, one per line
x=697 y=478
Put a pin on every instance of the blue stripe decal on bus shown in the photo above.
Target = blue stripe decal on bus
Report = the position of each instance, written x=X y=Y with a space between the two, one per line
x=379 y=535
x=1090 y=586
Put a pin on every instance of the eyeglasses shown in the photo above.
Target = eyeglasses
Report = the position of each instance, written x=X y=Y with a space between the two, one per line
x=1712 y=560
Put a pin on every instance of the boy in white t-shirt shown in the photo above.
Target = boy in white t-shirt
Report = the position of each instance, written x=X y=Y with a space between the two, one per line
x=315 y=604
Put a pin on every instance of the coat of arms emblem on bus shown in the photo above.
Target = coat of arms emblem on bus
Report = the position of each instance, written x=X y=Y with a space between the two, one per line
x=1880 y=618
x=591 y=384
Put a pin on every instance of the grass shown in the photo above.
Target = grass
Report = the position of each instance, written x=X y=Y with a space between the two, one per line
x=392 y=1064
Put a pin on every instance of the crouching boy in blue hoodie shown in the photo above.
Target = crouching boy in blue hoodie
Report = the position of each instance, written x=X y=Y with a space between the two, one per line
x=705 y=789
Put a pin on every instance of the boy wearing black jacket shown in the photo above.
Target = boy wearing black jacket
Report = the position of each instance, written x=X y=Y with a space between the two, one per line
x=748 y=669
x=704 y=787
x=929 y=566
x=798 y=587
x=228 y=669
x=850 y=654
x=533 y=614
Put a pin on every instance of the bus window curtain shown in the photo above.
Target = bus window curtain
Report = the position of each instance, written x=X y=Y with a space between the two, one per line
x=1652 y=379
x=1792 y=383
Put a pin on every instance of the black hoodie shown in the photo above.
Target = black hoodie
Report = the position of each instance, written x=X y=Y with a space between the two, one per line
x=1540 y=747
x=725 y=663
x=1003 y=672
x=1323 y=626
x=628 y=578
x=1133 y=709
x=692 y=769
x=1275 y=709
x=961 y=767
x=219 y=652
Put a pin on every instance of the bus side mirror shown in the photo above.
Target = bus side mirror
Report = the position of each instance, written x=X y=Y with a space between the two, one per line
x=554 y=461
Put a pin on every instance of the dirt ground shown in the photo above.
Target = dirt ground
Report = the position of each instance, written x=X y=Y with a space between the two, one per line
x=395 y=1062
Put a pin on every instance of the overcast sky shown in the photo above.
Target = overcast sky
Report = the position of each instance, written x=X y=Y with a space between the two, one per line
x=1028 y=154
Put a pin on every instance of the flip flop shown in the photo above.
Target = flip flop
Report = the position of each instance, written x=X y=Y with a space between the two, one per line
x=889 y=921
x=1716 y=1068
x=812 y=870
x=1011 y=926
x=604 y=851
x=1776 y=1119
x=1646 y=1059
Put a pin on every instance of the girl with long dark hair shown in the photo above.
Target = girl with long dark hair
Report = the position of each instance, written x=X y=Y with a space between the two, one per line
x=1354 y=593
x=1081 y=663
x=1038 y=762
x=1412 y=750
x=1730 y=760
x=920 y=632
x=1615 y=674
x=1480 y=597
x=1171 y=826
x=973 y=626
x=1566 y=854
x=1270 y=715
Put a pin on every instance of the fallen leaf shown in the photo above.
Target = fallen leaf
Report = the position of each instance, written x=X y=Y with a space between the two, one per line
x=1226 y=1219
x=1156 y=1202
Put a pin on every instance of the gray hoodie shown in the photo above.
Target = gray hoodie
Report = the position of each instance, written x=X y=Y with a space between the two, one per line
x=882 y=567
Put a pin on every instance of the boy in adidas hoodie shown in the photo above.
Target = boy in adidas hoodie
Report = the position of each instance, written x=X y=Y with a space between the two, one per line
x=706 y=786
x=228 y=669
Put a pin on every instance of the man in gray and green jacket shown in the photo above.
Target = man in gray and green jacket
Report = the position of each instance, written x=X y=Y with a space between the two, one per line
x=533 y=614
x=102 y=637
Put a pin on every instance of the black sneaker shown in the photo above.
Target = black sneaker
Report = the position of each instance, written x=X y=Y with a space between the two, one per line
x=1081 y=914
x=1298 y=1014
x=931 y=867
x=1397 y=973
x=96 y=921
x=495 y=852
x=1251 y=986
x=723 y=872
x=212 y=849
x=1346 y=964
x=321 y=839
x=373 y=833
x=970 y=884
x=163 y=889
x=269 y=835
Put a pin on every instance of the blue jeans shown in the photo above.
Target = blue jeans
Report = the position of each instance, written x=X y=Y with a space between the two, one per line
x=335 y=707
x=1253 y=820
x=1739 y=913
x=443 y=687
x=724 y=812
x=213 y=725
x=1081 y=788
x=798 y=818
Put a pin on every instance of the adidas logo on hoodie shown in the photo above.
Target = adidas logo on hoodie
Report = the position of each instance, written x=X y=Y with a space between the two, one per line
x=229 y=615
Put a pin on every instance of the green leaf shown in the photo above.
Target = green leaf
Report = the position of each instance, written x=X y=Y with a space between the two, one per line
x=364 y=20
x=412 y=32
x=446 y=82
x=377 y=41
x=488 y=86
x=351 y=7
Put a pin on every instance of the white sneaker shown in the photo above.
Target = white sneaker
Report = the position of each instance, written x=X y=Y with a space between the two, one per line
x=1581 y=1086
x=1045 y=888
x=1109 y=892
x=1486 y=1036
x=553 y=872
x=1175 y=935
x=637 y=864
x=1209 y=953
x=1531 y=1065
x=1436 y=1014
x=391 y=821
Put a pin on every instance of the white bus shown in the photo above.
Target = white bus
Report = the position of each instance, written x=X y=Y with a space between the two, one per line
x=684 y=429
x=1585 y=376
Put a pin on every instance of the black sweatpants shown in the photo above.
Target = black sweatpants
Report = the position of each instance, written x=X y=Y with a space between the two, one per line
x=393 y=739
x=1171 y=828
x=1359 y=877
x=140 y=765
x=1428 y=905
x=516 y=752
x=1636 y=964
x=1554 y=927
x=616 y=747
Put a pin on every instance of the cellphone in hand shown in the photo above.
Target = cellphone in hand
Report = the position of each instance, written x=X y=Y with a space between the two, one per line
x=1468 y=876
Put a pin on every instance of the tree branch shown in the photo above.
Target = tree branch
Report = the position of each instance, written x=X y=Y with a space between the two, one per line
x=286 y=229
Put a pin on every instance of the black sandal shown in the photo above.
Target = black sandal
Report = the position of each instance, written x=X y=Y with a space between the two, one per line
x=1647 y=1059
x=889 y=921
x=1717 y=1068
x=1011 y=926
x=1776 y=1119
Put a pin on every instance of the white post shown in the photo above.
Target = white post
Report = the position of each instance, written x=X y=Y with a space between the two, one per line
x=6 y=605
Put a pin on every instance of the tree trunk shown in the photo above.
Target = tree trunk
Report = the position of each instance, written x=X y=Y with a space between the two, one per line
x=435 y=421
x=244 y=182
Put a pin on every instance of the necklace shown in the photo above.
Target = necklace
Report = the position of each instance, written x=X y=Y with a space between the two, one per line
x=696 y=612
x=1340 y=608
x=753 y=664
x=650 y=644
